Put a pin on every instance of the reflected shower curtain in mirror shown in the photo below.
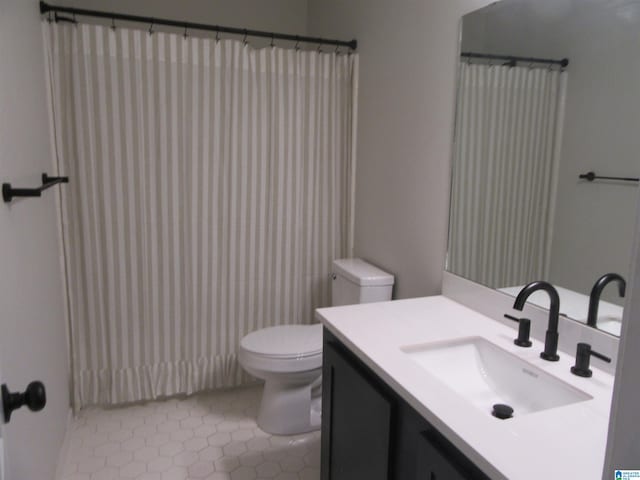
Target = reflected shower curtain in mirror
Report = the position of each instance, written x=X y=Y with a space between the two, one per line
x=210 y=189
x=506 y=154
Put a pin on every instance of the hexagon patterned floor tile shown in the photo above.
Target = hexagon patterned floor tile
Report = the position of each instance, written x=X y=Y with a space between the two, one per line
x=210 y=436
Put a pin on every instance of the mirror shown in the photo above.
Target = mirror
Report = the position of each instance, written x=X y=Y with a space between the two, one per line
x=547 y=91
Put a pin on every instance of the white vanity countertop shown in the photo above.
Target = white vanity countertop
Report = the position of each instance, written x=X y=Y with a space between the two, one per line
x=562 y=442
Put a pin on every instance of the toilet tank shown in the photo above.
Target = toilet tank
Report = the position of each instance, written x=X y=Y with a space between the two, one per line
x=356 y=281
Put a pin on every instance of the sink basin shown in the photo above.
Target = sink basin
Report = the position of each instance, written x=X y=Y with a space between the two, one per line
x=610 y=324
x=485 y=374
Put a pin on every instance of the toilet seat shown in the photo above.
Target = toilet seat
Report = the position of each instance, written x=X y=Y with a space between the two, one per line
x=285 y=348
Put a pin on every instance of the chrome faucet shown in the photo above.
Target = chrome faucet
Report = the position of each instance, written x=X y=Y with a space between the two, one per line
x=596 y=291
x=551 y=337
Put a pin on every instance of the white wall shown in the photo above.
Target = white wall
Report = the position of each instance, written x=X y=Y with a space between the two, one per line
x=407 y=81
x=32 y=328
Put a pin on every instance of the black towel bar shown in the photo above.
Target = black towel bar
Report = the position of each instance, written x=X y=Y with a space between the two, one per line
x=8 y=192
x=591 y=176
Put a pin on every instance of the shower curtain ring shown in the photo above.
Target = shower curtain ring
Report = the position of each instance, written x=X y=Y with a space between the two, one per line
x=151 y=28
x=297 y=47
x=320 y=48
x=184 y=35
x=113 y=24
x=50 y=17
x=272 y=38
x=244 y=39
x=217 y=35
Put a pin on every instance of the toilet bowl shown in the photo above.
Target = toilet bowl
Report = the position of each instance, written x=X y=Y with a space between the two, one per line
x=289 y=357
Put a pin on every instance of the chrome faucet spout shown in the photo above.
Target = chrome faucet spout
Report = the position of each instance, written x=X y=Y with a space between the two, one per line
x=551 y=337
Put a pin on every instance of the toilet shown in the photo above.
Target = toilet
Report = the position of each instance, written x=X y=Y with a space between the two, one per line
x=289 y=357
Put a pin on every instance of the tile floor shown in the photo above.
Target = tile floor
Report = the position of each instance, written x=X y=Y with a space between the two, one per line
x=209 y=436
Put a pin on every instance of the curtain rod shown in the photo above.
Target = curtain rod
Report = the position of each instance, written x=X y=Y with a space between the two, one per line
x=46 y=8
x=509 y=59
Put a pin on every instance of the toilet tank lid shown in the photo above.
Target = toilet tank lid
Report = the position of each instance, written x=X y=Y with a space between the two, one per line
x=361 y=273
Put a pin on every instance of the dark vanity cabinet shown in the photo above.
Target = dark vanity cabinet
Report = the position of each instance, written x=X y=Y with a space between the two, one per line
x=370 y=433
x=356 y=438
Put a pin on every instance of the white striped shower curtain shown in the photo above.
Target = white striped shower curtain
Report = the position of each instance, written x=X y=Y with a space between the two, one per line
x=210 y=188
x=505 y=169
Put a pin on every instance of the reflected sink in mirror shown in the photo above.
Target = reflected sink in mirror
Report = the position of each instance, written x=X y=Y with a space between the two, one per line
x=610 y=324
x=484 y=375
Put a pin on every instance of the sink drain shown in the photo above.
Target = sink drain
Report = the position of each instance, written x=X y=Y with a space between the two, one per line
x=502 y=411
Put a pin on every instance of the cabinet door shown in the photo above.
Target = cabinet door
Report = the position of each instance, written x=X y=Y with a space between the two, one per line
x=356 y=420
x=439 y=461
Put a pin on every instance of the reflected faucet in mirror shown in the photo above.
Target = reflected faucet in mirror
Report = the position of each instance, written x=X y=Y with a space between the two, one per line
x=550 y=352
x=596 y=292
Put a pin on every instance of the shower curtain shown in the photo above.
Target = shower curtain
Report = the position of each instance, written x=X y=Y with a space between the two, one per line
x=506 y=155
x=211 y=187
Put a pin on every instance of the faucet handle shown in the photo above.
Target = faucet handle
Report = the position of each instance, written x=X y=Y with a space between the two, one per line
x=524 y=329
x=583 y=356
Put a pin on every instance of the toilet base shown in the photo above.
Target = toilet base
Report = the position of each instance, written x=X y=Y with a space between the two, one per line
x=290 y=409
